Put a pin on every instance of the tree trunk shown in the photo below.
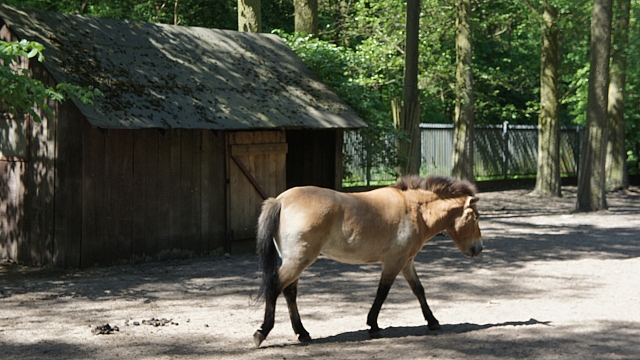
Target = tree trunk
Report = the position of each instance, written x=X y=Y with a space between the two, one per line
x=616 y=169
x=591 y=174
x=407 y=120
x=175 y=13
x=463 y=117
x=306 y=16
x=548 y=176
x=249 y=17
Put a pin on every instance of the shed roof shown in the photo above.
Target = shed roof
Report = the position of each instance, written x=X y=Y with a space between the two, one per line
x=165 y=76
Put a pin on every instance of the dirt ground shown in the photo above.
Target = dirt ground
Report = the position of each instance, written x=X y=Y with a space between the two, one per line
x=549 y=284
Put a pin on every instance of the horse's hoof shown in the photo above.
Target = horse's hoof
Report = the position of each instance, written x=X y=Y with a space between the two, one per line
x=375 y=333
x=304 y=338
x=258 y=338
x=434 y=325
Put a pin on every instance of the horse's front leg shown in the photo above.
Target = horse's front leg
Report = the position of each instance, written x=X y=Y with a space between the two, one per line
x=290 y=293
x=386 y=280
x=411 y=276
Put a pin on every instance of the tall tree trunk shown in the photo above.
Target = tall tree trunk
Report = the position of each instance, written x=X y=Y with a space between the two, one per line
x=407 y=120
x=306 y=16
x=463 y=117
x=175 y=13
x=249 y=17
x=591 y=174
x=548 y=176
x=616 y=169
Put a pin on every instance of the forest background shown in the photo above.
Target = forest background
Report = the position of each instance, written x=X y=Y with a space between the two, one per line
x=359 y=52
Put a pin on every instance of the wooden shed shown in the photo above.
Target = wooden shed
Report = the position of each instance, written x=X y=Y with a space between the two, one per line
x=195 y=128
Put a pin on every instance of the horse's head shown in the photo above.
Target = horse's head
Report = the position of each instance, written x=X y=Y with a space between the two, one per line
x=461 y=221
x=464 y=229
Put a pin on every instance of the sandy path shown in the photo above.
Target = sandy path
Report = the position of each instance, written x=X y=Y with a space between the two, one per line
x=550 y=284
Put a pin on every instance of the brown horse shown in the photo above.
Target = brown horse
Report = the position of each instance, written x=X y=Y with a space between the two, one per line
x=388 y=225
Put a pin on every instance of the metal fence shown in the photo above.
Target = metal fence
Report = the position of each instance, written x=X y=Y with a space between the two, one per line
x=500 y=151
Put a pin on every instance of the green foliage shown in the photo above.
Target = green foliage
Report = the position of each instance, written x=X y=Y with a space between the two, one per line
x=19 y=92
x=359 y=52
x=632 y=105
x=350 y=73
x=221 y=14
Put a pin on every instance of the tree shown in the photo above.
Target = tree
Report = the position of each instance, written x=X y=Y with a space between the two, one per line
x=249 y=17
x=306 y=16
x=407 y=115
x=19 y=92
x=548 y=174
x=591 y=174
x=616 y=170
x=463 y=117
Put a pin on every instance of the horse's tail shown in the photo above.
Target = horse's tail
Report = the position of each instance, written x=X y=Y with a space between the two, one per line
x=268 y=224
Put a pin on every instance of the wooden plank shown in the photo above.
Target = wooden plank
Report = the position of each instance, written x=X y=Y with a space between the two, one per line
x=111 y=194
x=151 y=192
x=281 y=170
x=259 y=137
x=18 y=191
x=213 y=199
x=5 y=204
x=238 y=194
x=68 y=204
x=220 y=191
x=175 y=186
x=252 y=200
x=196 y=201
x=140 y=159
x=260 y=165
x=41 y=145
x=190 y=189
x=92 y=196
x=207 y=191
x=273 y=174
x=163 y=221
x=243 y=137
x=258 y=149
x=125 y=203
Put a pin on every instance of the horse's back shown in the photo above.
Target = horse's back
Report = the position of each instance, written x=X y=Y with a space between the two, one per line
x=349 y=227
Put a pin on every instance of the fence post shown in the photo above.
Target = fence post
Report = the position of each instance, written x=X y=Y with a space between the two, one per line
x=367 y=166
x=505 y=149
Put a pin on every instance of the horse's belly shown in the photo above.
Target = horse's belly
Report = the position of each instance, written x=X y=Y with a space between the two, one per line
x=350 y=254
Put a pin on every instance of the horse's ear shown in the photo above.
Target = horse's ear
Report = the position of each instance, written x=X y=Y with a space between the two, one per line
x=472 y=200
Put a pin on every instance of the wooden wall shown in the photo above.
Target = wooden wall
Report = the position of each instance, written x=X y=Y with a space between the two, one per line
x=151 y=194
x=27 y=188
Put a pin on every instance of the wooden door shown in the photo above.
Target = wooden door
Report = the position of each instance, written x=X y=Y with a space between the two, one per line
x=257 y=170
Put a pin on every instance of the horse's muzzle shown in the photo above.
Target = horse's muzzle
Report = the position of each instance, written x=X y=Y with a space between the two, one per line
x=475 y=249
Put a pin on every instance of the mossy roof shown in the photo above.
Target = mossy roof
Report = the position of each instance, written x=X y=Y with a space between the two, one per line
x=165 y=76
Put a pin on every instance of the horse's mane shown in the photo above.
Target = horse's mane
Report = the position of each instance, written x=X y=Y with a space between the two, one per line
x=438 y=184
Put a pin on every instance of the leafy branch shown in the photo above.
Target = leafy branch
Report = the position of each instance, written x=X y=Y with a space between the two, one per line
x=21 y=94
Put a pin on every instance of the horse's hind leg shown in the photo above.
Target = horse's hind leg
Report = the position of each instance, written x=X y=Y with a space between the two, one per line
x=411 y=276
x=290 y=293
x=271 y=296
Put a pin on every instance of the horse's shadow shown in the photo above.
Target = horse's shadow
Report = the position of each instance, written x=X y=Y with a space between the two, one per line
x=406 y=331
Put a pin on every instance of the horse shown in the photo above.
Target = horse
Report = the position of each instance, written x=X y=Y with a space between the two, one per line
x=388 y=225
